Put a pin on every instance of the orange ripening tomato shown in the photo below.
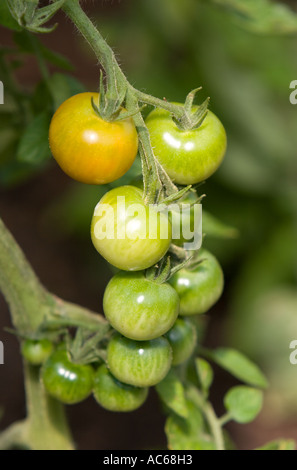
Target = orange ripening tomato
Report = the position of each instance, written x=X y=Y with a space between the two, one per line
x=87 y=148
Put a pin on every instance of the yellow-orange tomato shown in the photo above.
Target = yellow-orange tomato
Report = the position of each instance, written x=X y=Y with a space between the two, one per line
x=87 y=148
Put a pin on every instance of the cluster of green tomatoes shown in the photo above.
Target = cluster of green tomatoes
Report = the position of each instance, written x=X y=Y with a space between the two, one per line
x=150 y=317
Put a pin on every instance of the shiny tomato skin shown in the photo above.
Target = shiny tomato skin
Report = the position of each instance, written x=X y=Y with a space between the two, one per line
x=136 y=250
x=139 y=363
x=66 y=381
x=199 y=289
x=188 y=156
x=139 y=308
x=114 y=395
x=182 y=338
x=87 y=148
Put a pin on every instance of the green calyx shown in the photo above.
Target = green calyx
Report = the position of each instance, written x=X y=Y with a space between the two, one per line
x=192 y=119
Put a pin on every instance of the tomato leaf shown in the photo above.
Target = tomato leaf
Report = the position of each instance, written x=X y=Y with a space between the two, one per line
x=280 y=444
x=243 y=403
x=239 y=366
x=188 y=434
x=6 y=18
x=261 y=16
x=171 y=392
x=33 y=147
x=213 y=227
x=205 y=374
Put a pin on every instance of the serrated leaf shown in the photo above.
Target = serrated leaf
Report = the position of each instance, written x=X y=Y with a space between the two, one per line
x=34 y=147
x=243 y=403
x=6 y=18
x=213 y=227
x=239 y=366
x=280 y=444
x=171 y=392
x=205 y=374
x=188 y=434
x=261 y=16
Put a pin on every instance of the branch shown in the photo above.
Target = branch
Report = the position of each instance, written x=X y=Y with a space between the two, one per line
x=30 y=303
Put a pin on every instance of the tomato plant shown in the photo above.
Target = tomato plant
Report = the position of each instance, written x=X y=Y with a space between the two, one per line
x=36 y=351
x=114 y=395
x=88 y=148
x=141 y=342
x=139 y=363
x=125 y=233
x=66 y=381
x=139 y=308
x=188 y=156
x=199 y=288
x=182 y=338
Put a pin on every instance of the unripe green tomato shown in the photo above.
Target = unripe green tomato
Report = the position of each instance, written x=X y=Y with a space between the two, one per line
x=199 y=289
x=66 y=381
x=139 y=363
x=182 y=338
x=114 y=395
x=188 y=156
x=36 y=351
x=139 y=308
x=128 y=234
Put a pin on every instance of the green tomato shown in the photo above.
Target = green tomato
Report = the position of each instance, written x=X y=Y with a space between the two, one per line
x=36 y=351
x=189 y=156
x=139 y=363
x=139 y=308
x=182 y=338
x=200 y=288
x=127 y=233
x=114 y=395
x=67 y=382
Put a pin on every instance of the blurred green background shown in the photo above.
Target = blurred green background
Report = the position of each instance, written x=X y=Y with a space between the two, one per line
x=243 y=53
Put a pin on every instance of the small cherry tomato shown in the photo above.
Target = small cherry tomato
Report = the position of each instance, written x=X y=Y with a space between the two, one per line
x=36 y=351
x=182 y=338
x=139 y=363
x=199 y=289
x=66 y=381
x=127 y=233
x=87 y=148
x=139 y=308
x=114 y=395
x=188 y=156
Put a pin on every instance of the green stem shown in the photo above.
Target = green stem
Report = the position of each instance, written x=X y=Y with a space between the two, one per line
x=154 y=175
x=47 y=424
x=176 y=110
x=19 y=285
x=226 y=418
x=103 y=52
x=30 y=303
x=210 y=416
x=215 y=425
x=14 y=436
